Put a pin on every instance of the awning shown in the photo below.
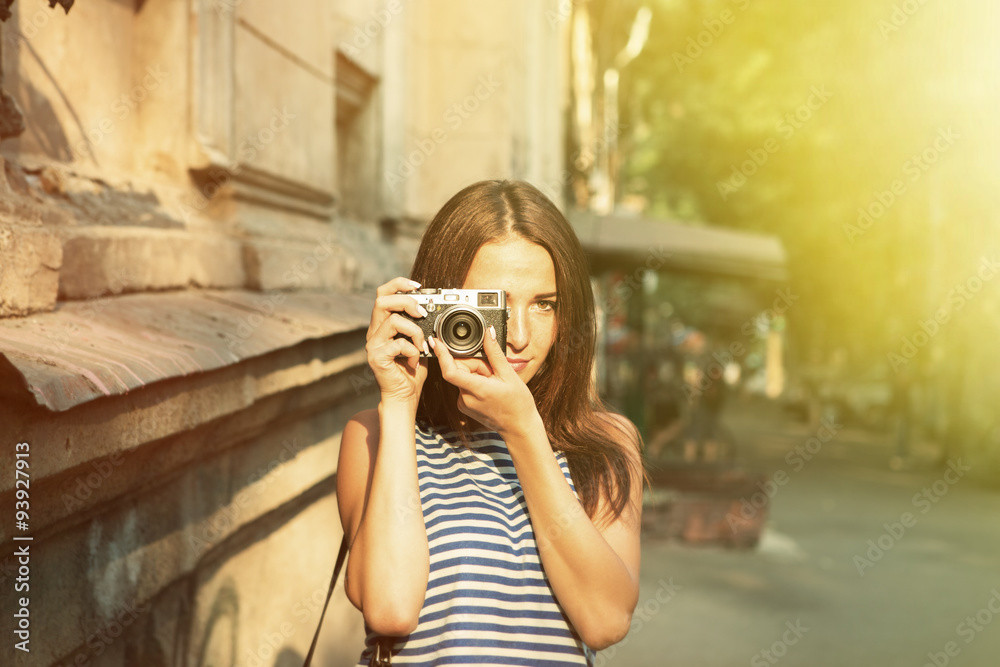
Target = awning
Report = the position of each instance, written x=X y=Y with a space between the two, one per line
x=623 y=240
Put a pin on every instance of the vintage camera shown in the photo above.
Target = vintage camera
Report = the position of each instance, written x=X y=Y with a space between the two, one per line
x=461 y=318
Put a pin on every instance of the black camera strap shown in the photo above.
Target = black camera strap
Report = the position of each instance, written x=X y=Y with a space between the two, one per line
x=333 y=583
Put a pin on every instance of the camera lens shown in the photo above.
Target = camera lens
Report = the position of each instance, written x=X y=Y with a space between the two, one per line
x=462 y=330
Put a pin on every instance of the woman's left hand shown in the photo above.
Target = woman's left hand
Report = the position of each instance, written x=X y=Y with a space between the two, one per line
x=490 y=391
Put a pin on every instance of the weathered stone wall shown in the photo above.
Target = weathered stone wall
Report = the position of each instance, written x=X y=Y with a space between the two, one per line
x=180 y=155
x=182 y=494
x=487 y=81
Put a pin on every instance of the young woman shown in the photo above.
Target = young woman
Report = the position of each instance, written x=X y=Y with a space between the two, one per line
x=493 y=505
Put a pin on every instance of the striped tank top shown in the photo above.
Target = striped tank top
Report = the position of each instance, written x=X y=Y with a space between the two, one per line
x=488 y=601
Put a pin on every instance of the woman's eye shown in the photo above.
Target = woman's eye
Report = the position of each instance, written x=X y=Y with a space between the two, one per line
x=546 y=305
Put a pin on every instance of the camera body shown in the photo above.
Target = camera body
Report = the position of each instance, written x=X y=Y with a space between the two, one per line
x=461 y=318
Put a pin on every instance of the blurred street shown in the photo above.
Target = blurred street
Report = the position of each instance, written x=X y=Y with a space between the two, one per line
x=800 y=597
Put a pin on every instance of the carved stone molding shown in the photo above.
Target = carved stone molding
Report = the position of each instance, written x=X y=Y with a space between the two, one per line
x=213 y=77
x=354 y=86
x=214 y=161
x=262 y=188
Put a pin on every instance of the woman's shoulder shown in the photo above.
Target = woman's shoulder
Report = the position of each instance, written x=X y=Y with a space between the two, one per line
x=620 y=429
x=616 y=419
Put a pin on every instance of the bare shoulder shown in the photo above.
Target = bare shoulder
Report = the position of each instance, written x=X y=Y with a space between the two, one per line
x=626 y=438
x=622 y=431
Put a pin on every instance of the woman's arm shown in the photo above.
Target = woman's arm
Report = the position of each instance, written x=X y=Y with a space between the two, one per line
x=594 y=571
x=377 y=489
x=379 y=500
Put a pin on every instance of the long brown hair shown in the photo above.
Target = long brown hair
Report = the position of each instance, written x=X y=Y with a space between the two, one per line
x=596 y=447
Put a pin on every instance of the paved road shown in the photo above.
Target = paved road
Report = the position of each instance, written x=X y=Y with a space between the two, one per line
x=814 y=593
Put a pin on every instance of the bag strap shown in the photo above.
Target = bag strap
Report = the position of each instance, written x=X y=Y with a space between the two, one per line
x=333 y=583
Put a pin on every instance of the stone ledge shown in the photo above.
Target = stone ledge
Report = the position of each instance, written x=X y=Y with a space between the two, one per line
x=108 y=347
x=74 y=480
x=99 y=261
x=275 y=264
x=101 y=434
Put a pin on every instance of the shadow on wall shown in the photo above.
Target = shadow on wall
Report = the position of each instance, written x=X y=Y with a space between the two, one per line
x=219 y=646
x=289 y=658
x=40 y=119
x=148 y=651
x=42 y=124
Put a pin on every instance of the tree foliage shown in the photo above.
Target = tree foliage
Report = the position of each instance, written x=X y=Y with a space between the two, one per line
x=792 y=118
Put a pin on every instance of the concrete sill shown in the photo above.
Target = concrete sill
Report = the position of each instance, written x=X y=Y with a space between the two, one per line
x=107 y=347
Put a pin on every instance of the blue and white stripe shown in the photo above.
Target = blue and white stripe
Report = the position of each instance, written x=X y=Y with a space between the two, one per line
x=488 y=601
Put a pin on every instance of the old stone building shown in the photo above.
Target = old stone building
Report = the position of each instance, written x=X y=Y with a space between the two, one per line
x=192 y=223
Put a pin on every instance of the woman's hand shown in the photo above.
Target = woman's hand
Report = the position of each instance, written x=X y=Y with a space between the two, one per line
x=396 y=361
x=490 y=391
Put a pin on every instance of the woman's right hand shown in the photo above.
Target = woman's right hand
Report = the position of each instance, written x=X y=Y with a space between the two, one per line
x=396 y=361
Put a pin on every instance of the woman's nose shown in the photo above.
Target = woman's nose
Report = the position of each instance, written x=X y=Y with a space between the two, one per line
x=518 y=332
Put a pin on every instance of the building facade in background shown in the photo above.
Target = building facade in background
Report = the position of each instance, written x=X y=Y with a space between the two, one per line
x=192 y=224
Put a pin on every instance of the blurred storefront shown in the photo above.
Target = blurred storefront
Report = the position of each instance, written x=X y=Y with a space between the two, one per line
x=668 y=293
